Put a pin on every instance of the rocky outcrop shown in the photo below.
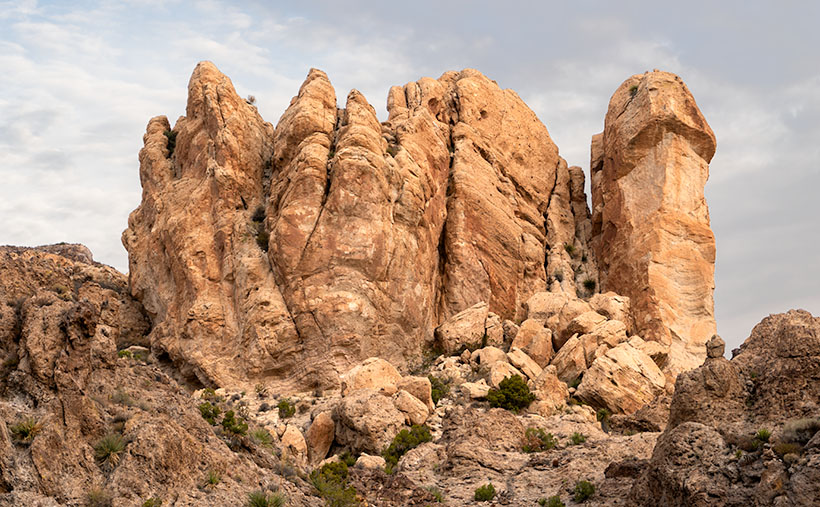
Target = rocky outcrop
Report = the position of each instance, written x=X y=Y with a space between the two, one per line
x=744 y=432
x=650 y=222
x=293 y=253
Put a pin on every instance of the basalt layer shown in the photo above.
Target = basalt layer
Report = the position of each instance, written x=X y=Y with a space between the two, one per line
x=291 y=253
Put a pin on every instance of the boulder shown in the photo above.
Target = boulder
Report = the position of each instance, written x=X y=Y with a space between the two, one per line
x=570 y=362
x=419 y=387
x=464 y=328
x=367 y=421
x=535 y=340
x=501 y=370
x=475 y=390
x=622 y=380
x=372 y=373
x=320 y=436
x=487 y=356
x=368 y=462
x=415 y=412
x=293 y=442
x=524 y=363
x=614 y=307
x=550 y=392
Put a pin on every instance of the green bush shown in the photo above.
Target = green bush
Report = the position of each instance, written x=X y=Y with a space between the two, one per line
x=124 y=353
x=439 y=388
x=262 y=437
x=577 y=438
x=108 y=448
x=589 y=284
x=403 y=442
x=209 y=412
x=258 y=214
x=763 y=435
x=262 y=239
x=331 y=483
x=603 y=415
x=484 y=493
x=633 y=90
x=553 y=501
x=570 y=249
x=583 y=491
x=262 y=499
x=98 y=497
x=213 y=478
x=348 y=458
x=233 y=424
x=286 y=408
x=512 y=394
x=537 y=440
x=437 y=495
x=152 y=502
x=785 y=448
x=25 y=430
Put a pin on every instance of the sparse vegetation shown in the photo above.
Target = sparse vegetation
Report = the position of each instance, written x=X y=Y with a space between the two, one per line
x=512 y=394
x=570 y=249
x=484 y=493
x=233 y=424
x=537 y=440
x=25 y=430
x=784 y=448
x=152 y=502
x=209 y=412
x=800 y=431
x=763 y=435
x=589 y=284
x=392 y=150
x=262 y=239
x=558 y=275
x=286 y=408
x=553 y=501
x=108 y=448
x=331 y=483
x=437 y=495
x=603 y=415
x=403 y=442
x=98 y=497
x=120 y=397
x=262 y=499
x=575 y=383
x=262 y=437
x=172 y=141
x=124 y=353
x=439 y=388
x=583 y=491
x=633 y=90
x=258 y=215
x=348 y=458
x=577 y=438
x=213 y=478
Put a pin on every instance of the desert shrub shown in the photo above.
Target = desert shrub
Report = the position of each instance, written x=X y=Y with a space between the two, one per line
x=258 y=216
x=98 y=497
x=583 y=491
x=172 y=141
x=537 y=440
x=575 y=382
x=603 y=415
x=800 y=431
x=558 y=275
x=589 y=284
x=262 y=499
x=748 y=444
x=152 y=502
x=403 y=442
x=785 y=448
x=233 y=424
x=570 y=249
x=331 y=483
x=108 y=448
x=393 y=150
x=124 y=353
x=439 y=388
x=633 y=90
x=213 y=478
x=286 y=408
x=348 y=458
x=512 y=394
x=262 y=437
x=209 y=412
x=577 y=438
x=437 y=495
x=553 y=501
x=120 y=397
x=262 y=239
x=484 y=493
x=763 y=435
x=25 y=430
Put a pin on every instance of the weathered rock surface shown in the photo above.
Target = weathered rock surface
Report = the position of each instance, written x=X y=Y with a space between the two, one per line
x=650 y=221
x=367 y=421
x=712 y=452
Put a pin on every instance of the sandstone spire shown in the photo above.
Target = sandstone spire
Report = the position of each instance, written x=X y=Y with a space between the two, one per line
x=650 y=220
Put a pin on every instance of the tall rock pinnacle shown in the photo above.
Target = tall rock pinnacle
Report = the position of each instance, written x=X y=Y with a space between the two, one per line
x=651 y=230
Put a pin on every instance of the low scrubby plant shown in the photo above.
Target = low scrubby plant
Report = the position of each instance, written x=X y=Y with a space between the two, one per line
x=484 y=493
x=583 y=491
x=763 y=435
x=124 y=353
x=553 y=501
x=286 y=408
x=348 y=458
x=800 y=431
x=262 y=437
x=98 y=497
x=24 y=431
x=152 y=502
x=589 y=284
x=262 y=239
x=570 y=249
x=172 y=141
x=120 y=397
x=108 y=448
x=403 y=442
x=537 y=440
x=331 y=483
x=784 y=448
x=209 y=412
x=262 y=499
x=233 y=424
x=577 y=438
x=437 y=495
x=603 y=415
x=512 y=394
x=438 y=388
x=633 y=90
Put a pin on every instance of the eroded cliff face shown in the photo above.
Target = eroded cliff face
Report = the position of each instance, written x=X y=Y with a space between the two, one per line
x=298 y=251
x=293 y=253
x=650 y=220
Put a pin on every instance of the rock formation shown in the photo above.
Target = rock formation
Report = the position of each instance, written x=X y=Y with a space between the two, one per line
x=650 y=222
x=294 y=253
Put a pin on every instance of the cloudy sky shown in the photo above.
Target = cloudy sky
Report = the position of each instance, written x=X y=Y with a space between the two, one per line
x=80 y=80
